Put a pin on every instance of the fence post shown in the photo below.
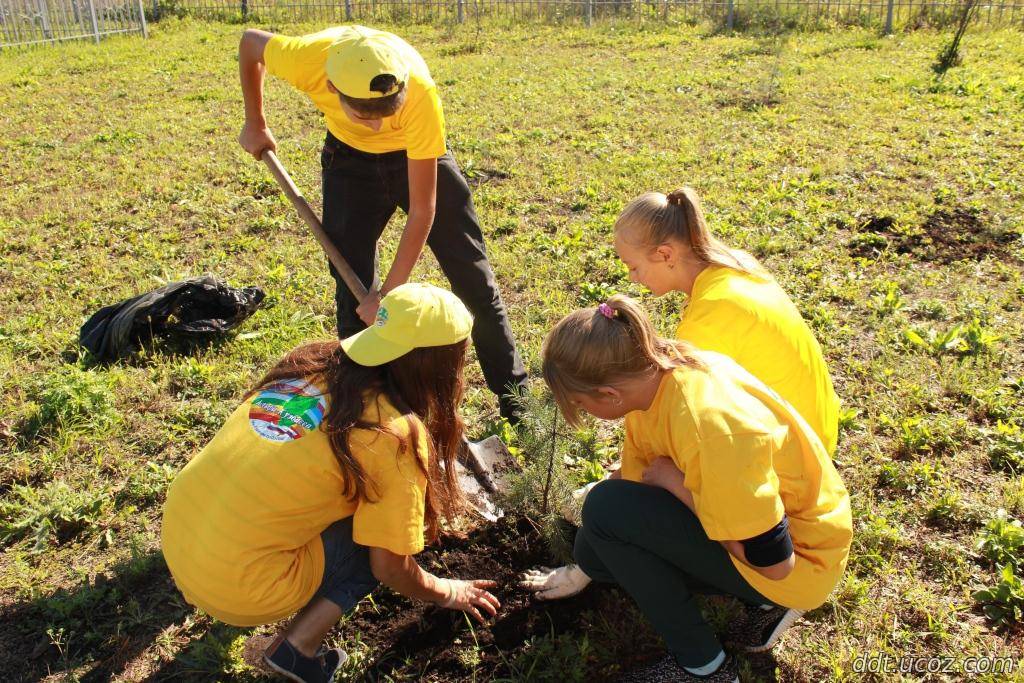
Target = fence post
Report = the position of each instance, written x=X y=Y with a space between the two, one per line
x=142 y=20
x=888 y=18
x=462 y=11
x=156 y=9
x=95 y=24
x=590 y=12
x=730 y=20
x=44 y=18
x=348 y=10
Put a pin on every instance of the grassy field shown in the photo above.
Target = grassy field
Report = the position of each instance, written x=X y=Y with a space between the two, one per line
x=887 y=203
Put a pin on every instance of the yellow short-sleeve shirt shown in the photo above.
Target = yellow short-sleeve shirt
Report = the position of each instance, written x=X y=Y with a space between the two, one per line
x=755 y=323
x=748 y=459
x=242 y=521
x=417 y=127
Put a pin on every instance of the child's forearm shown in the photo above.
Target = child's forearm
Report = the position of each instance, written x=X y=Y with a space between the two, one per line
x=402 y=574
x=410 y=247
x=422 y=175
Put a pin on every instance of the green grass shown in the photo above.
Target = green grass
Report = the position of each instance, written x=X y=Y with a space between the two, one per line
x=120 y=169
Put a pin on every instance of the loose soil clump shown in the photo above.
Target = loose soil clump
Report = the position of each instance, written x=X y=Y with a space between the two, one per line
x=947 y=235
x=413 y=641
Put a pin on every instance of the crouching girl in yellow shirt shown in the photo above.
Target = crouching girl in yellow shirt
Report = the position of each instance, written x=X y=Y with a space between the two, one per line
x=724 y=487
x=327 y=479
x=734 y=305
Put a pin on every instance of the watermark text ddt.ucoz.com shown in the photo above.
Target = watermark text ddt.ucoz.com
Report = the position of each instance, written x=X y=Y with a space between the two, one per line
x=885 y=663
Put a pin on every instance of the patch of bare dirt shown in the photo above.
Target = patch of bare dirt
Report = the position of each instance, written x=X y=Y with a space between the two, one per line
x=946 y=236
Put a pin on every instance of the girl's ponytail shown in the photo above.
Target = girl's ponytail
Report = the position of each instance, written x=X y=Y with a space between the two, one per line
x=653 y=219
x=658 y=352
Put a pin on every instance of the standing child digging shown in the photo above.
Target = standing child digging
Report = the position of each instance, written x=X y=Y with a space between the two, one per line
x=384 y=150
x=724 y=487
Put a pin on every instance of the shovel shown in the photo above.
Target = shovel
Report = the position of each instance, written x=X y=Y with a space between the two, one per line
x=482 y=465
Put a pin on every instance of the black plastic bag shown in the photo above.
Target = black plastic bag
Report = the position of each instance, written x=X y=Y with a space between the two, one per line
x=193 y=309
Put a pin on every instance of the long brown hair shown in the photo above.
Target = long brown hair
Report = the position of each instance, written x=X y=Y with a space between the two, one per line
x=588 y=349
x=424 y=385
x=653 y=219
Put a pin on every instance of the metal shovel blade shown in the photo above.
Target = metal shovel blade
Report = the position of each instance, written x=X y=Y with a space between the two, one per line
x=479 y=500
x=482 y=469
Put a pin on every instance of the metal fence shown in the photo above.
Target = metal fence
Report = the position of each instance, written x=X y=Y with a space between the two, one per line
x=36 y=22
x=33 y=22
x=884 y=14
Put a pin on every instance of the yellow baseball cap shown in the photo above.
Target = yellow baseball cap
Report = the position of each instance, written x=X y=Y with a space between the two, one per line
x=354 y=61
x=411 y=316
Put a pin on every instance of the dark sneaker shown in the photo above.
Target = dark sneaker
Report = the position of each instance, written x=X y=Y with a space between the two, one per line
x=668 y=671
x=762 y=628
x=283 y=658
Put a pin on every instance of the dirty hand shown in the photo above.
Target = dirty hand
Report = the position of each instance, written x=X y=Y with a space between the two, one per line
x=553 y=584
x=367 y=311
x=255 y=138
x=662 y=472
x=470 y=596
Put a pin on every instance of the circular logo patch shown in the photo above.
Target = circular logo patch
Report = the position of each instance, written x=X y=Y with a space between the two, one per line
x=286 y=410
x=382 y=316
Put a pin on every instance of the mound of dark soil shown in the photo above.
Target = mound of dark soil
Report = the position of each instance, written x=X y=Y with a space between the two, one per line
x=528 y=639
x=956 y=234
x=947 y=235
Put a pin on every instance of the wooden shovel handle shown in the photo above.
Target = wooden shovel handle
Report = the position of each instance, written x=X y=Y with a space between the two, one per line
x=355 y=285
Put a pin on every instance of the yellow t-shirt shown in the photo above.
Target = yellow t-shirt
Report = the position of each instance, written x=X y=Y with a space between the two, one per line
x=748 y=458
x=242 y=522
x=753 y=322
x=418 y=127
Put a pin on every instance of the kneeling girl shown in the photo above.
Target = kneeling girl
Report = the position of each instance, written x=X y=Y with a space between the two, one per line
x=724 y=487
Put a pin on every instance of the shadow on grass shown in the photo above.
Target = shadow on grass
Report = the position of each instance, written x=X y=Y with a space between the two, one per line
x=95 y=629
x=156 y=347
x=114 y=626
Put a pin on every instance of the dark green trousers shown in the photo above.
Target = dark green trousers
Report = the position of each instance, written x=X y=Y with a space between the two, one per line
x=644 y=539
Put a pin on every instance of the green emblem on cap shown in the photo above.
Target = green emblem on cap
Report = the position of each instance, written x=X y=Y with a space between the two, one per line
x=382 y=316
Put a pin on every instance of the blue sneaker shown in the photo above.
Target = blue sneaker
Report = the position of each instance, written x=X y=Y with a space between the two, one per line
x=283 y=658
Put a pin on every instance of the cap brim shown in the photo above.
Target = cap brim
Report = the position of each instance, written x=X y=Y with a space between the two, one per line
x=369 y=349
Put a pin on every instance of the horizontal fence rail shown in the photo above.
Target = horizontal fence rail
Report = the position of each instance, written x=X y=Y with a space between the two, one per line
x=37 y=22
x=885 y=14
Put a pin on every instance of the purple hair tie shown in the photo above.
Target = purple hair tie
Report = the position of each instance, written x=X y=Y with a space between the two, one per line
x=606 y=310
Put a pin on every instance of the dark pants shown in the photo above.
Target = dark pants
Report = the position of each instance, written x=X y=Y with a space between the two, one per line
x=347 y=574
x=361 y=192
x=647 y=541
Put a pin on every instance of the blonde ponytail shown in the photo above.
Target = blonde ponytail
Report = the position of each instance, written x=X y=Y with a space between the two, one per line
x=603 y=346
x=653 y=219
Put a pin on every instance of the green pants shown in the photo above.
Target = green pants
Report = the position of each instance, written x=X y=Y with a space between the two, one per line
x=644 y=539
